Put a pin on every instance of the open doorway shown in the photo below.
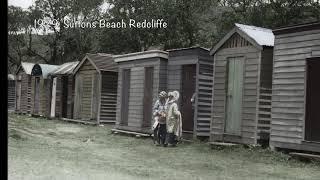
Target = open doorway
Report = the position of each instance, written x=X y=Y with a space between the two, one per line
x=64 y=97
x=37 y=95
x=125 y=95
x=312 y=118
x=18 y=94
x=187 y=90
x=147 y=96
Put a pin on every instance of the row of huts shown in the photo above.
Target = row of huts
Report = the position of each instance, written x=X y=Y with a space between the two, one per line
x=255 y=85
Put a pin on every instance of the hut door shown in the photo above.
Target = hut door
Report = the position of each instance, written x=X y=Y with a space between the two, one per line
x=53 y=97
x=64 y=97
x=312 y=119
x=36 y=95
x=78 y=96
x=148 y=96
x=18 y=93
x=125 y=96
x=234 y=96
x=187 y=90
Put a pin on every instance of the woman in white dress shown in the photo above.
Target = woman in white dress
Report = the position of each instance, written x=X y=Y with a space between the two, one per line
x=173 y=119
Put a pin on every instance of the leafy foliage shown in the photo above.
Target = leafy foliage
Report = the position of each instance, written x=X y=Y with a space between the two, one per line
x=190 y=23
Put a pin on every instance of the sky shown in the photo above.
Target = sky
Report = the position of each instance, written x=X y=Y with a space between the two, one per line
x=21 y=3
x=26 y=3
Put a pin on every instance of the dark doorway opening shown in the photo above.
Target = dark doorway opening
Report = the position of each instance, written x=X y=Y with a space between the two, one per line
x=148 y=96
x=312 y=118
x=64 y=97
x=18 y=94
x=37 y=95
x=187 y=90
x=125 y=96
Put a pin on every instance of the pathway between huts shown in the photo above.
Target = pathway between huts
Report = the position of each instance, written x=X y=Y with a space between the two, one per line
x=50 y=149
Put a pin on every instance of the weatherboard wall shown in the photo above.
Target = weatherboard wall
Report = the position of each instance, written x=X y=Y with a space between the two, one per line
x=62 y=99
x=256 y=82
x=203 y=85
x=288 y=88
x=108 y=97
x=95 y=92
x=25 y=92
x=11 y=94
x=83 y=92
x=44 y=97
x=136 y=91
x=250 y=93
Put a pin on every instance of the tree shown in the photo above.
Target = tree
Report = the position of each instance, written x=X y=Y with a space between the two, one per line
x=21 y=45
x=66 y=44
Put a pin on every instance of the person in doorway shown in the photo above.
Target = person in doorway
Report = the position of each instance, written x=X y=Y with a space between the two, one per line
x=159 y=116
x=193 y=99
x=174 y=120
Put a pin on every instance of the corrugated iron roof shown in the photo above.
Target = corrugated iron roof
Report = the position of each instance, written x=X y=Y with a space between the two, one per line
x=66 y=68
x=297 y=28
x=141 y=55
x=257 y=36
x=104 y=62
x=11 y=77
x=47 y=68
x=192 y=47
x=262 y=36
x=27 y=67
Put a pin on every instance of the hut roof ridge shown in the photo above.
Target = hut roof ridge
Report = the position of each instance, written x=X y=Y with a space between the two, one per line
x=27 y=67
x=47 y=68
x=141 y=55
x=263 y=36
x=66 y=68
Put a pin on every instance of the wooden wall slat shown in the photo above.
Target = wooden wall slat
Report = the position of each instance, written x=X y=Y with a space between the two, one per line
x=288 y=86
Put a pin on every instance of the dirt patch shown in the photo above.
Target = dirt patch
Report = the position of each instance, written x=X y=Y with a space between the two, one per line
x=16 y=135
x=91 y=152
x=69 y=129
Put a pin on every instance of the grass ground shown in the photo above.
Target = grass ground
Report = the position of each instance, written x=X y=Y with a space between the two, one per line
x=50 y=149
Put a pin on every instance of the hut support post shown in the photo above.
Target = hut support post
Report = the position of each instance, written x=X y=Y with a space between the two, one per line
x=53 y=99
x=99 y=96
x=195 y=115
x=257 y=100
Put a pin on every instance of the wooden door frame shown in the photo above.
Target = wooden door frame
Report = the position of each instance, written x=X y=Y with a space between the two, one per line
x=305 y=98
x=145 y=121
x=77 y=96
x=124 y=116
x=53 y=97
x=18 y=93
x=64 y=97
x=196 y=88
x=37 y=89
x=195 y=65
x=226 y=92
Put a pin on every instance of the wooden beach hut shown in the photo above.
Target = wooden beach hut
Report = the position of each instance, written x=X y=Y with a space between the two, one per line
x=11 y=92
x=242 y=85
x=62 y=92
x=142 y=76
x=295 y=88
x=41 y=89
x=190 y=71
x=96 y=89
x=23 y=88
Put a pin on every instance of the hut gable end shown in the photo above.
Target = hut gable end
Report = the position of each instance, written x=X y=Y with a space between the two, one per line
x=87 y=66
x=99 y=62
x=257 y=36
x=236 y=41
